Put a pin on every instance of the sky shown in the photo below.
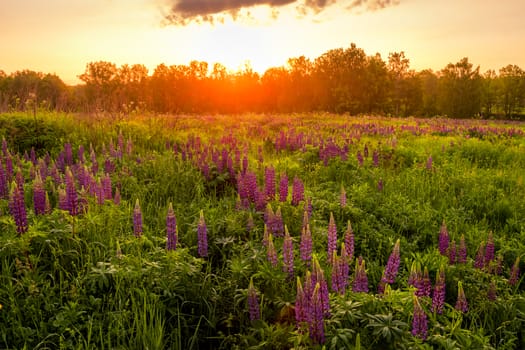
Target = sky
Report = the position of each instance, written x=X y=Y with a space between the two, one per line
x=63 y=36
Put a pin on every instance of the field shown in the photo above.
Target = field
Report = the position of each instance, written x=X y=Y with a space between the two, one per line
x=261 y=232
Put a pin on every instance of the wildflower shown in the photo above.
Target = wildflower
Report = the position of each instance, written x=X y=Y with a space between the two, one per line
x=319 y=277
x=360 y=158
x=283 y=188
x=420 y=321
x=137 y=220
x=392 y=265
x=452 y=253
x=380 y=185
x=424 y=285
x=106 y=185
x=4 y=192
x=288 y=253
x=461 y=303
x=297 y=191
x=202 y=236
x=360 y=279
x=332 y=237
x=414 y=275
x=171 y=229
x=39 y=195
x=269 y=182
x=305 y=246
x=116 y=199
x=438 y=297
x=17 y=208
x=443 y=239
x=271 y=254
x=71 y=194
x=479 y=263
x=515 y=272
x=375 y=158
x=462 y=254
x=301 y=305
x=429 y=163
x=269 y=217
x=308 y=206
x=278 y=225
x=253 y=302
x=316 y=316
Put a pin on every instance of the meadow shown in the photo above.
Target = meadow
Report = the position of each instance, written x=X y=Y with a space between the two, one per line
x=261 y=232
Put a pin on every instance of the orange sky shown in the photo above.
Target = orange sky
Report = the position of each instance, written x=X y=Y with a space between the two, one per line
x=62 y=36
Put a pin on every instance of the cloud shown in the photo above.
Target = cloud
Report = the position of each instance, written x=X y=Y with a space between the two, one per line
x=183 y=12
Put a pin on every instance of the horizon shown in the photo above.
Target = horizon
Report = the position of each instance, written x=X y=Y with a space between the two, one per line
x=62 y=38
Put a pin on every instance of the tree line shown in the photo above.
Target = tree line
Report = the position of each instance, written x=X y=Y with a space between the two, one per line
x=343 y=80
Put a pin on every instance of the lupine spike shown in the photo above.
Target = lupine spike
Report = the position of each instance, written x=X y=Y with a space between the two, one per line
x=438 y=296
x=202 y=236
x=424 y=285
x=39 y=195
x=479 y=263
x=271 y=253
x=253 y=302
x=462 y=254
x=18 y=209
x=489 y=249
x=171 y=229
x=306 y=245
x=137 y=220
x=461 y=303
x=392 y=266
x=71 y=194
x=316 y=319
x=288 y=258
x=332 y=238
x=360 y=279
x=349 y=241
x=443 y=239
x=342 y=197
x=420 y=321
x=269 y=182
x=301 y=305
x=515 y=272
x=297 y=191
x=283 y=188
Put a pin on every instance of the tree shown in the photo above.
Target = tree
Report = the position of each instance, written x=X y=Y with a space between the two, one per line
x=101 y=80
x=512 y=89
x=460 y=90
x=398 y=66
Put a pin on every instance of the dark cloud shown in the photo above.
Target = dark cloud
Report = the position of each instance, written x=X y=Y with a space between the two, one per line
x=183 y=12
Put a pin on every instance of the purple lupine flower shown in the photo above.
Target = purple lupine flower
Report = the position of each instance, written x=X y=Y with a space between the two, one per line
x=429 y=163
x=106 y=185
x=420 y=321
x=269 y=182
x=444 y=239
x=62 y=199
x=491 y=292
x=438 y=296
x=301 y=305
x=360 y=279
x=319 y=277
x=283 y=188
x=462 y=253
x=4 y=191
x=68 y=154
x=344 y=268
x=498 y=268
x=253 y=302
x=94 y=162
x=452 y=253
x=137 y=220
x=99 y=192
x=39 y=195
x=288 y=261
x=9 y=170
x=305 y=246
x=202 y=236
x=414 y=275
x=332 y=238
x=461 y=303
x=171 y=229
x=48 y=204
x=306 y=219
x=266 y=236
x=360 y=158
x=479 y=263
x=375 y=158
x=271 y=253
x=424 y=285
x=349 y=241
x=269 y=218
x=342 y=197
x=278 y=224
x=489 y=249
x=71 y=194
x=316 y=316
x=380 y=185
x=297 y=191
x=17 y=208
x=392 y=266
x=515 y=272
x=80 y=153
x=336 y=272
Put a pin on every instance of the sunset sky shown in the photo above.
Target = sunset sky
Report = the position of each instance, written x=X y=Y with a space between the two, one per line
x=62 y=36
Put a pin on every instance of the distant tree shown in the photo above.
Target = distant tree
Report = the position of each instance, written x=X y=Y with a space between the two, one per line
x=460 y=90
x=429 y=93
x=512 y=89
x=101 y=79
x=301 y=93
x=489 y=92
x=398 y=66
x=275 y=90
x=376 y=84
